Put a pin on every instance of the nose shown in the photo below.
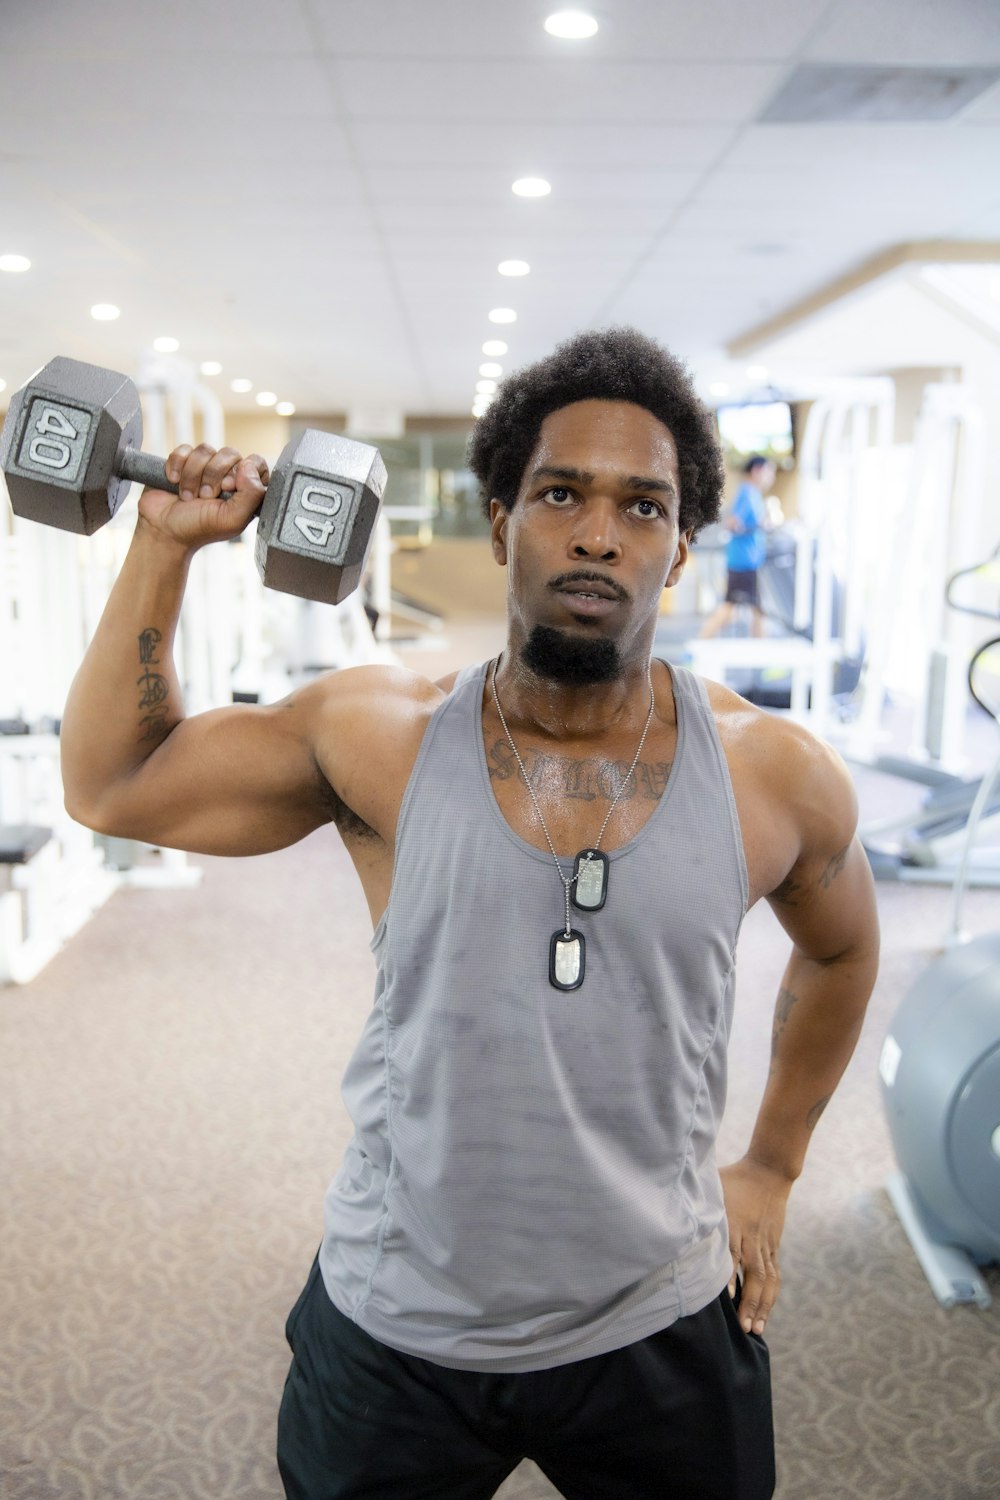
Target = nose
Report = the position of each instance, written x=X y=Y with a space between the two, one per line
x=596 y=534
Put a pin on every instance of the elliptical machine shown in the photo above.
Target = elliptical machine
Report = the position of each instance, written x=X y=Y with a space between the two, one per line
x=940 y=1077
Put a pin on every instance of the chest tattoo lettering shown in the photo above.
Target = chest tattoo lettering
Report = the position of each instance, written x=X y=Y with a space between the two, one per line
x=587 y=780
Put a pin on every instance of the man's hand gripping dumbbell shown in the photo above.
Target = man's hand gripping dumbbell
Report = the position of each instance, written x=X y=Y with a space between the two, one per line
x=70 y=448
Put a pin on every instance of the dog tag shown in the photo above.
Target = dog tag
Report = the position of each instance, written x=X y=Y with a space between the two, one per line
x=567 y=960
x=590 y=880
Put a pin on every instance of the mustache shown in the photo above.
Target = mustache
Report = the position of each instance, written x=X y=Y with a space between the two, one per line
x=581 y=575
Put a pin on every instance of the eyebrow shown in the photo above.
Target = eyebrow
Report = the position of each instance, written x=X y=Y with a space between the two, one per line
x=583 y=476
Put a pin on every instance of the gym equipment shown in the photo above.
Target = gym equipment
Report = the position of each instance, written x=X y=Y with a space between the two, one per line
x=940 y=1074
x=937 y=842
x=69 y=450
x=822 y=579
x=52 y=876
x=940 y=1071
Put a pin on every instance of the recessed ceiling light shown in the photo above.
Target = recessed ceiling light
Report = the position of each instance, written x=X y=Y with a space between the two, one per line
x=494 y=346
x=14 y=263
x=486 y=387
x=105 y=312
x=285 y=408
x=489 y=368
x=3 y=385
x=166 y=345
x=210 y=367
x=266 y=398
x=572 y=25
x=756 y=372
x=239 y=386
x=503 y=315
x=513 y=268
x=531 y=187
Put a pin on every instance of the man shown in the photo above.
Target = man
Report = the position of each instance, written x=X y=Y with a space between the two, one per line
x=527 y=1249
x=746 y=550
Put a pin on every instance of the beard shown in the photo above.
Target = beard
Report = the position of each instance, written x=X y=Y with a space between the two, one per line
x=572 y=659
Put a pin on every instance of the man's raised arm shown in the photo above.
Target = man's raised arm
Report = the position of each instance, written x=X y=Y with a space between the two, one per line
x=236 y=780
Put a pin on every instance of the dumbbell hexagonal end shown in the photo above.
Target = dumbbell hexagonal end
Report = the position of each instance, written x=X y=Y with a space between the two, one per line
x=60 y=442
x=318 y=517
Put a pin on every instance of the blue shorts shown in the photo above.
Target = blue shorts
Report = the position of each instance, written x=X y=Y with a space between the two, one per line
x=682 y=1415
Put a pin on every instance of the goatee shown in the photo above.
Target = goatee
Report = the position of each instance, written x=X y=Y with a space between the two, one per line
x=571 y=659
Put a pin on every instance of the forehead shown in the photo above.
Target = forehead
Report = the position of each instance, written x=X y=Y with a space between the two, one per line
x=606 y=435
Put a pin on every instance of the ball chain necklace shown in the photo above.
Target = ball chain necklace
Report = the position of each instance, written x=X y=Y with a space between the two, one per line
x=567 y=948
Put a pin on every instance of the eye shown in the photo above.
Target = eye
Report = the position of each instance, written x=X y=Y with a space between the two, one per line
x=647 y=509
x=558 y=494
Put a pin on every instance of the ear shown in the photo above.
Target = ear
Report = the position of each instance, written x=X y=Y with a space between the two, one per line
x=498 y=531
x=680 y=559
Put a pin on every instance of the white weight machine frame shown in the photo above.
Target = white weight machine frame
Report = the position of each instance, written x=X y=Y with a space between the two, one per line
x=843 y=466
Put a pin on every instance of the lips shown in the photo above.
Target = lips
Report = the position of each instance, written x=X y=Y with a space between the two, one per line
x=588 y=598
x=590 y=588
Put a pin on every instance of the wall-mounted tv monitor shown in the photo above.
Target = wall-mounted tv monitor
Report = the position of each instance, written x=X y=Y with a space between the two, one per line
x=763 y=427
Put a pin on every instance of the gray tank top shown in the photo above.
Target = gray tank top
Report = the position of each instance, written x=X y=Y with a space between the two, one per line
x=532 y=1177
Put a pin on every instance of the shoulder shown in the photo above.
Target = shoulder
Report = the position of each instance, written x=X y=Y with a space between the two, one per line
x=780 y=756
x=794 y=794
x=377 y=700
x=363 y=727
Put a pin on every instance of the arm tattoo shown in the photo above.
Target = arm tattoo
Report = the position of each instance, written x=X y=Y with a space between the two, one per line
x=834 y=867
x=791 y=890
x=788 y=892
x=812 y=1117
x=782 y=1010
x=153 y=723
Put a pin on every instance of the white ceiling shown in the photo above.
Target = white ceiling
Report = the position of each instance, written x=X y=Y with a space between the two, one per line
x=317 y=192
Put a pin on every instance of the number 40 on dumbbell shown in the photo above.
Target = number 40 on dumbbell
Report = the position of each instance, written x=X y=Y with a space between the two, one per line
x=70 y=447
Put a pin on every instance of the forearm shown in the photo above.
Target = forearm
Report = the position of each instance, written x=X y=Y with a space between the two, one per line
x=817 y=1019
x=126 y=697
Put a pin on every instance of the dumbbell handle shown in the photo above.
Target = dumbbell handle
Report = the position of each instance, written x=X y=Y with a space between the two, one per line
x=147 y=469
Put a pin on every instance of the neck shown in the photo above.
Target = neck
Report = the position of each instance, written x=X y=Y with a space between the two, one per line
x=572 y=710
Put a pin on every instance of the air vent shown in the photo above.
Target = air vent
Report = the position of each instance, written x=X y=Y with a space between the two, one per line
x=824 y=92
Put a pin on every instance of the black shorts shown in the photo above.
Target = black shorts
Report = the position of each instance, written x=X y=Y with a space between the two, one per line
x=741 y=586
x=682 y=1415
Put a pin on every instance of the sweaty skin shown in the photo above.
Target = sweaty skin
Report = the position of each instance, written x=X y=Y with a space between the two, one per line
x=588 y=547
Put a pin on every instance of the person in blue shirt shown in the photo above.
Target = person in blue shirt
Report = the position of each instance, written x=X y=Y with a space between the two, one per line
x=747 y=548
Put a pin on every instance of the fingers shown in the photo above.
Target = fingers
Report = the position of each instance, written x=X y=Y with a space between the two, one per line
x=761 y=1284
x=204 y=473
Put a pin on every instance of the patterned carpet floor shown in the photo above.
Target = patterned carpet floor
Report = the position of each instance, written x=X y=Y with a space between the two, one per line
x=170 y=1116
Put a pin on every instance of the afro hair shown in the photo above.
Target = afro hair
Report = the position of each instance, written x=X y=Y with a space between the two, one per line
x=617 y=364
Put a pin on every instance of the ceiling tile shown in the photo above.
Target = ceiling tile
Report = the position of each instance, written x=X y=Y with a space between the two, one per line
x=823 y=149
x=574 y=218
x=141 y=29
x=86 y=86
x=488 y=140
x=690 y=93
x=737 y=30
x=913 y=32
x=592 y=186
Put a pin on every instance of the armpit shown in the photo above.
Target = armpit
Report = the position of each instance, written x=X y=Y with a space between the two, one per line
x=346 y=820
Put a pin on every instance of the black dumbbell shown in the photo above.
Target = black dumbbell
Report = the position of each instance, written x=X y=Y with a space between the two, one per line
x=69 y=449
